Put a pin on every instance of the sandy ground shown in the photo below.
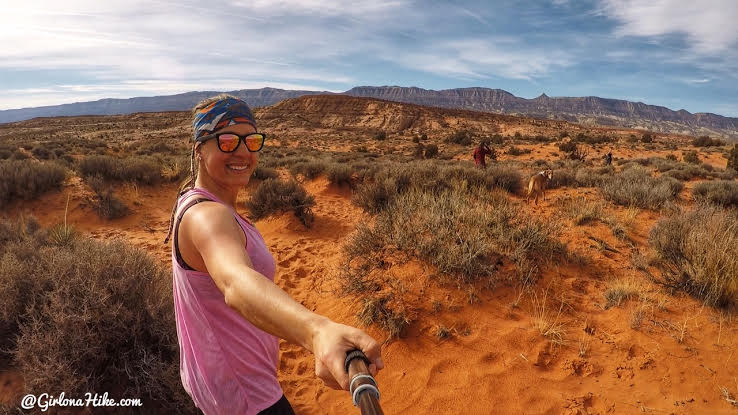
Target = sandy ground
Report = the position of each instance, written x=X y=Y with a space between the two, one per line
x=677 y=361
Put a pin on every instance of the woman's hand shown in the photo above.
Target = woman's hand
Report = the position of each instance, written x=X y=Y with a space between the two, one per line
x=331 y=341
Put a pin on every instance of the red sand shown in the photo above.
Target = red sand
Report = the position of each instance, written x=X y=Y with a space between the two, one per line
x=495 y=360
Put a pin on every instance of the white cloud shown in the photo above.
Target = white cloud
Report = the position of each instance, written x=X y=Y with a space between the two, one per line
x=709 y=25
x=470 y=59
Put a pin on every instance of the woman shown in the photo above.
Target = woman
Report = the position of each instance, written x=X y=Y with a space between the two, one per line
x=229 y=312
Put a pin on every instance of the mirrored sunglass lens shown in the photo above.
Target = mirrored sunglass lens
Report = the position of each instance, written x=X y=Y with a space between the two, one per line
x=254 y=142
x=228 y=142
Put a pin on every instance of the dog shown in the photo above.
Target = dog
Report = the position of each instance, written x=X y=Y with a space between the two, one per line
x=537 y=184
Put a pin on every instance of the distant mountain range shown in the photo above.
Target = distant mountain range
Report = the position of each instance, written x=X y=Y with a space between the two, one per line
x=584 y=110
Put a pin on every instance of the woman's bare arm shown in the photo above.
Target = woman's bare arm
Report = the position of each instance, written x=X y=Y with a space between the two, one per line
x=213 y=232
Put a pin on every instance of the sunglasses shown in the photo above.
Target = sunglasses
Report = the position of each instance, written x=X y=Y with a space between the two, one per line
x=229 y=142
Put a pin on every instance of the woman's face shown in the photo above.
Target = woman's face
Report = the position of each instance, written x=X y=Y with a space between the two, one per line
x=229 y=170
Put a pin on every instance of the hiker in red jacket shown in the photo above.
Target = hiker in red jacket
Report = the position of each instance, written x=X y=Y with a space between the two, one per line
x=480 y=154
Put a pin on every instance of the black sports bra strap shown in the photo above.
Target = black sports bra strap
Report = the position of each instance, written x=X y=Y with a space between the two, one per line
x=178 y=255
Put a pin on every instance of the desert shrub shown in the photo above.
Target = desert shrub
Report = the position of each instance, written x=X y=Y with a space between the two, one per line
x=263 y=173
x=89 y=316
x=23 y=180
x=386 y=312
x=671 y=157
x=514 y=151
x=463 y=137
x=692 y=261
x=340 y=174
x=723 y=193
x=581 y=210
x=431 y=150
x=562 y=178
x=392 y=180
x=309 y=169
x=107 y=205
x=380 y=135
x=727 y=174
x=690 y=157
x=133 y=169
x=568 y=146
x=636 y=187
x=505 y=177
x=275 y=196
x=456 y=233
x=495 y=139
x=593 y=177
x=647 y=138
x=591 y=139
x=42 y=152
x=706 y=141
x=733 y=158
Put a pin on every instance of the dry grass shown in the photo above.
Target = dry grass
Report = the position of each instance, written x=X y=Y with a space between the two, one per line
x=621 y=290
x=581 y=210
x=274 y=196
x=635 y=187
x=23 y=180
x=723 y=193
x=88 y=316
x=548 y=322
x=690 y=258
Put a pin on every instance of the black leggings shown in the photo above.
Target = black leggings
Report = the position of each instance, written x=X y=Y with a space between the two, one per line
x=282 y=407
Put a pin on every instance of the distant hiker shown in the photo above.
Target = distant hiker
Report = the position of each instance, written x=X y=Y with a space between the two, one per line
x=608 y=158
x=480 y=154
x=229 y=313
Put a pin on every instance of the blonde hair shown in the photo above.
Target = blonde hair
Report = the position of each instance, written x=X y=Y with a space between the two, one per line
x=189 y=183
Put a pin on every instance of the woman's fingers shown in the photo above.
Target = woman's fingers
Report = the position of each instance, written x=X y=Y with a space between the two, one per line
x=331 y=346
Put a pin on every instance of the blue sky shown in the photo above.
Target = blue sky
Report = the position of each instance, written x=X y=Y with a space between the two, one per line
x=676 y=53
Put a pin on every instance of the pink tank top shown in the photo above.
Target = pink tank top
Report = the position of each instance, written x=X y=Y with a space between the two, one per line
x=227 y=365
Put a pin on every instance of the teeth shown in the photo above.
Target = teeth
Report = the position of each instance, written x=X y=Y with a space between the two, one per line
x=238 y=167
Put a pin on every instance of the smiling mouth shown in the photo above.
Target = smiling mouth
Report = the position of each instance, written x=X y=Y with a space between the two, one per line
x=237 y=168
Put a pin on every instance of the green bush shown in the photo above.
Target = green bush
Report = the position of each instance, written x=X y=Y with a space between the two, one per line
x=23 y=180
x=274 y=196
x=723 y=193
x=691 y=259
x=89 y=316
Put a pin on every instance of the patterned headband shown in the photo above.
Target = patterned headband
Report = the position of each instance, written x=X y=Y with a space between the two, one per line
x=221 y=114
